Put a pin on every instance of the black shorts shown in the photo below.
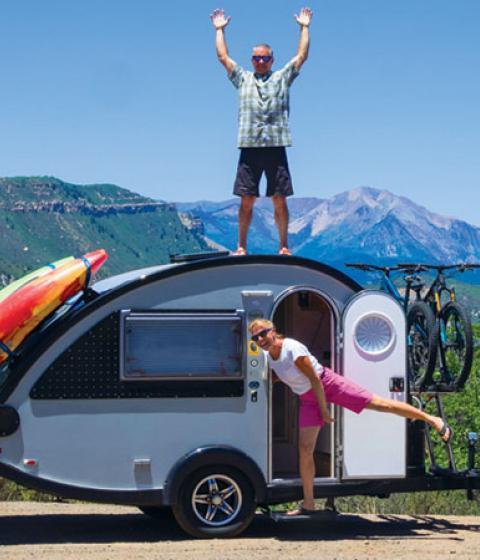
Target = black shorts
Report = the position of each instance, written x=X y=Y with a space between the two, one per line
x=251 y=165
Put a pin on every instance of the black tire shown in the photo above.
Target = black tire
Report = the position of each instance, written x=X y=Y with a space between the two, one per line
x=219 y=492
x=422 y=341
x=159 y=513
x=457 y=344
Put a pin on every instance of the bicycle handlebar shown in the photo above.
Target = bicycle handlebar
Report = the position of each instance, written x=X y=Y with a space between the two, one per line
x=407 y=268
x=412 y=268
x=370 y=267
x=460 y=267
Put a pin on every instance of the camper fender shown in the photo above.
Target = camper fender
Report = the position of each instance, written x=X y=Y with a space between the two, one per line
x=217 y=456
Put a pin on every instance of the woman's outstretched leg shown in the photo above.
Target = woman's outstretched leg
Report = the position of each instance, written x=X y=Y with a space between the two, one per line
x=408 y=411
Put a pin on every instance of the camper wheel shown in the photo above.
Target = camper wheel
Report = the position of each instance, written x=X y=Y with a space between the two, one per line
x=215 y=502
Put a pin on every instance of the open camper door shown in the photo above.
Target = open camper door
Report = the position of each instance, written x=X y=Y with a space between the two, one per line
x=374 y=356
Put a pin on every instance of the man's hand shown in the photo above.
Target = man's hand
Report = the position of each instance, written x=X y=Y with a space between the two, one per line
x=304 y=18
x=219 y=19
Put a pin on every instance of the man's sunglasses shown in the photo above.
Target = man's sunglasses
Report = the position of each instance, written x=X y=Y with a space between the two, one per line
x=259 y=335
x=266 y=58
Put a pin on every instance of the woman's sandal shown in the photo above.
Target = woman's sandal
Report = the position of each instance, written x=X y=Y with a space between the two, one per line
x=328 y=510
x=443 y=431
x=300 y=510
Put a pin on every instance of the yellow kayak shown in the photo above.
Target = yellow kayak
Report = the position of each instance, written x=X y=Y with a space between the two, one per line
x=16 y=284
x=29 y=305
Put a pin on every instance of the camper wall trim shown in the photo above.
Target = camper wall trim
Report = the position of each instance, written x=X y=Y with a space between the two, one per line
x=121 y=497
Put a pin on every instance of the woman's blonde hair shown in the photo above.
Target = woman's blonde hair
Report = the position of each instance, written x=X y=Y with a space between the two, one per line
x=265 y=323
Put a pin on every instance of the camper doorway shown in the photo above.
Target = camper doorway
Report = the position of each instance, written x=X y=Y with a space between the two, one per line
x=306 y=316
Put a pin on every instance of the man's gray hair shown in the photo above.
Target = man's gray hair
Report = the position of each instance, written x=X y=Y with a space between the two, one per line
x=266 y=45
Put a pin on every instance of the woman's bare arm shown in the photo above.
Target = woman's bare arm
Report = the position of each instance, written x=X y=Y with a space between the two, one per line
x=304 y=364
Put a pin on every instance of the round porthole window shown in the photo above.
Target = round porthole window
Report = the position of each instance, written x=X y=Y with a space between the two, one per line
x=374 y=334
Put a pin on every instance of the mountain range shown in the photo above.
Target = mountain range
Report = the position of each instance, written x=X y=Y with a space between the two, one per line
x=364 y=224
x=43 y=219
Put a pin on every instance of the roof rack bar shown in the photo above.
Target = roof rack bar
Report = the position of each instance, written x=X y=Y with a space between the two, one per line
x=178 y=258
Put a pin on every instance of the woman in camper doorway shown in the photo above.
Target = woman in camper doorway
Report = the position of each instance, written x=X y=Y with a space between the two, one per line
x=317 y=386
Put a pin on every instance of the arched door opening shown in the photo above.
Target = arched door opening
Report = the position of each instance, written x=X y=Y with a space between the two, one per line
x=306 y=316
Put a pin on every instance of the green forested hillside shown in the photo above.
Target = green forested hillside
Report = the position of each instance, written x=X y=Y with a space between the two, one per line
x=43 y=219
x=469 y=296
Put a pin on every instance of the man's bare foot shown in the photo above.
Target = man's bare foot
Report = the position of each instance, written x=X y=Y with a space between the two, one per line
x=240 y=252
x=284 y=251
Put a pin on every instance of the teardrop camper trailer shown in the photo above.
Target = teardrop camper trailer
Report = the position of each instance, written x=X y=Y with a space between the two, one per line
x=148 y=391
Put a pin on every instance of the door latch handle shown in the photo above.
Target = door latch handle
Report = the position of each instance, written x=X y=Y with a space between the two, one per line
x=397 y=385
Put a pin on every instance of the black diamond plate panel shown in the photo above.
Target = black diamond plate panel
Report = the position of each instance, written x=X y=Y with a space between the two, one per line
x=89 y=369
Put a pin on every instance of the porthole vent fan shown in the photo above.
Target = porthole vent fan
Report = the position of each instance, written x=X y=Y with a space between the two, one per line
x=374 y=334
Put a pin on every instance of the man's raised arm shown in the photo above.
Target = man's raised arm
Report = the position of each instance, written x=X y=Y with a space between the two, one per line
x=303 y=21
x=220 y=21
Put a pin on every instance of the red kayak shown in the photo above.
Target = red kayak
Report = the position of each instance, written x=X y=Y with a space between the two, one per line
x=27 y=307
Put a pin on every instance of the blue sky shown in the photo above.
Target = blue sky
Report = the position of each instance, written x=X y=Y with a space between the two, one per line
x=130 y=92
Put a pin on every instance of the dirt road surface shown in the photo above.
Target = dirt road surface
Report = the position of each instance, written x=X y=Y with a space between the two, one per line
x=54 y=531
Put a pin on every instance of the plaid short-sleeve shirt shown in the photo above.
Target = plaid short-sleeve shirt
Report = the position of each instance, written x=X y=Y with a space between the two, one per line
x=264 y=106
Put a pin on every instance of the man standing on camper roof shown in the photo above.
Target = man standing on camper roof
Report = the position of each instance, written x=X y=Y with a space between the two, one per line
x=263 y=126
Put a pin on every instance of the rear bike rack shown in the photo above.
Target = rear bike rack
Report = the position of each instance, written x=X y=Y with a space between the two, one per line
x=434 y=466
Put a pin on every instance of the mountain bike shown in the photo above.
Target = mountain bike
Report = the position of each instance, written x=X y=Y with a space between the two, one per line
x=422 y=327
x=455 y=338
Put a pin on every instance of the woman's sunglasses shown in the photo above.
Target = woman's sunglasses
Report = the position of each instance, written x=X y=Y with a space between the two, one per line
x=259 y=335
x=266 y=58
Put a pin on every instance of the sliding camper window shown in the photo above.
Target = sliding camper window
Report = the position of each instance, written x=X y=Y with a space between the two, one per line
x=161 y=346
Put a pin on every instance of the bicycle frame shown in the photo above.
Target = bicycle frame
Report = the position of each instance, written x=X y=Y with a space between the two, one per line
x=412 y=282
x=439 y=286
x=433 y=297
x=387 y=285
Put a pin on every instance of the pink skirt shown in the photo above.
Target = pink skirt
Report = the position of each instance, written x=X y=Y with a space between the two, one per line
x=339 y=391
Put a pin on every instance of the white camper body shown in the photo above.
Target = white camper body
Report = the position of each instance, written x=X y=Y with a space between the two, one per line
x=151 y=382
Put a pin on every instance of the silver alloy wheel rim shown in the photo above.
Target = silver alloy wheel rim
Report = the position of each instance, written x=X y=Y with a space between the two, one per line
x=217 y=500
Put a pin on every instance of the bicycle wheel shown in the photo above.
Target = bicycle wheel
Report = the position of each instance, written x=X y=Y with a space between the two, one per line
x=457 y=344
x=422 y=337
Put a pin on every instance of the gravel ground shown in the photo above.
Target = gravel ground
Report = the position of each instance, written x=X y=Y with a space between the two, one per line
x=51 y=531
